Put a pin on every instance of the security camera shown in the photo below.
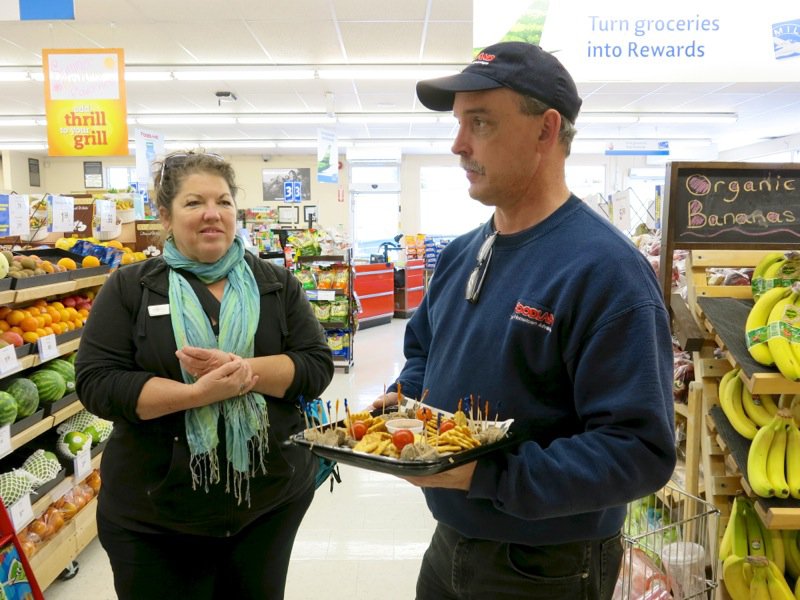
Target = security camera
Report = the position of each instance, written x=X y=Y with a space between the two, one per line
x=266 y=157
x=226 y=96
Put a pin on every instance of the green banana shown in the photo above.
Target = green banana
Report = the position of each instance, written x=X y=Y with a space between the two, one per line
x=757 y=462
x=776 y=457
x=779 y=346
x=739 y=544
x=731 y=403
x=776 y=583
x=792 y=552
x=793 y=459
x=733 y=575
x=755 y=409
x=756 y=542
x=757 y=319
x=766 y=261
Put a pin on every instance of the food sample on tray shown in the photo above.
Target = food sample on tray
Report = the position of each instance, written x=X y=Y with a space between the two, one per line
x=425 y=433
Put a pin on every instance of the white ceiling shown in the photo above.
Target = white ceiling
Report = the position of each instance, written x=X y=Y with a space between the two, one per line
x=420 y=33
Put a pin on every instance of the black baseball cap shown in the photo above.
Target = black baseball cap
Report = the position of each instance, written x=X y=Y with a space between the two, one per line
x=523 y=67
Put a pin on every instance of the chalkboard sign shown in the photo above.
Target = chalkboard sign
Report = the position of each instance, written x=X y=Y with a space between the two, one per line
x=735 y=206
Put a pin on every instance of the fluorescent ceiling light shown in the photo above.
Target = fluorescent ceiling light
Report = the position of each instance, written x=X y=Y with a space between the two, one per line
x=15 y=76
x=286 y=120
x=687 y=117
x=23 y=146
x=610 y=118
x=185 y=120
x=390 y=118
x=233 y=74
x=148 y=75
x=385 y=72
x=22 y=122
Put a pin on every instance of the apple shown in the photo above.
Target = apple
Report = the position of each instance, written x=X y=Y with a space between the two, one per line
x=69 y=301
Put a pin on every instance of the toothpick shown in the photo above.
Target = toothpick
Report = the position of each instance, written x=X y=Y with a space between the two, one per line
x=336 y=415
x=304 y=408
x=424 y=395
x=399 y=395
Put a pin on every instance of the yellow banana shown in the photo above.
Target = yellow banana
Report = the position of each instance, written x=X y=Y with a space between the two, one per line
x=768 y=402
x=792 y=552
x=793 y=459
x=758 y=585
x=775 y=548
x=739 y=544
x=779 y=345
x=757 y=463
x=731 y=403
x=776 y=584
x=725 y=380
x=776 y=458
x=766 y=261
x=755 y=409
x=797 y=589
x=756 y=544
x=756 y=322
x=794 y=406
x=733 y=576
x=726 y=543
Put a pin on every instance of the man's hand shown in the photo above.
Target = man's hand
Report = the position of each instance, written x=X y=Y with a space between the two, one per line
x=459 y=478
x=385 y=400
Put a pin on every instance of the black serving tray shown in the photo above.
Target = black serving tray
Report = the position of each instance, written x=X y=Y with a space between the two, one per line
x=53 y=254
x=29 y=421
x=5 y=283
x=54 y=407
x=395 y=466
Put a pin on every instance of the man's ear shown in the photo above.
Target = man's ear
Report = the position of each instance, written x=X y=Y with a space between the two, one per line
x=551 y=125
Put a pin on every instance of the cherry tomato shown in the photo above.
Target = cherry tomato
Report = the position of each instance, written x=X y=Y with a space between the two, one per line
x=401 y=437
x=447 y=425
x=358 y=430
x=424 y=414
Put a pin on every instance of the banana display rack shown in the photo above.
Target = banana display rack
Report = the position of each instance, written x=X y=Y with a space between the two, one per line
x=670 y=548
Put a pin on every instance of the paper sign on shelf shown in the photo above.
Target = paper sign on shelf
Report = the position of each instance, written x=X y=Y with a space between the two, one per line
x=8 y=360
x=63 y=214
x=19 y=218
x=48 y=349
x=5 y=440
x=21 y=512
x=82 y=463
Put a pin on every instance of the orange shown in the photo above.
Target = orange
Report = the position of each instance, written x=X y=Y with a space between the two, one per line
x=4 y=326
x=57 y=305
x=67 y=263
x=57 y=328
x=14 y=317
x=115 y=244
x=16 y=329
x=47 y=267
x=127 y=258
x=31 y=337
x=90 y=261
x=4 y=310
x=29 y=324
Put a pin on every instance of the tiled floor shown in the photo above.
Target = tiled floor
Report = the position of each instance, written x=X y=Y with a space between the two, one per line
x=363 y=541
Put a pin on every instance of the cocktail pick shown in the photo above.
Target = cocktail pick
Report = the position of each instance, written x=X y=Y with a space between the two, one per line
x=336 y=414
x=304 y=408
x=330 y=420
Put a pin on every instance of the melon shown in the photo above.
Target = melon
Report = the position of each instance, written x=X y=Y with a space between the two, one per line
x=66 y=369
x=3 y=266
x=26 y=394
x=8 y=409
x=50 y=384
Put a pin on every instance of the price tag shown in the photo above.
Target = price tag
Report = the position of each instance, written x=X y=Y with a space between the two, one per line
x=63 y=213
x=19 y=220
x=106 y=211
x=21 y=512
x=8 y=360
x=82 y=463
x=326 y=295
x=48 y=349
x=5 y=440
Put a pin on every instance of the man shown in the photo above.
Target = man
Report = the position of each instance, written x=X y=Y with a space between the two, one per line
x=553 y=317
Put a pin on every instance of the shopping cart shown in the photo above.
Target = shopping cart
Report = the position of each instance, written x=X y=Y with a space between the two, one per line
x=670 y=541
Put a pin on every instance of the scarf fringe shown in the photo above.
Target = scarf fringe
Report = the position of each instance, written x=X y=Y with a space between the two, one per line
x=204 y=469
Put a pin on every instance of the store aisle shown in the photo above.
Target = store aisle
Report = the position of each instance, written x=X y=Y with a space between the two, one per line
x=365 y=540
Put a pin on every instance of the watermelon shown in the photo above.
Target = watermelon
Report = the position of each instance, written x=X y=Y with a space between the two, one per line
x=66 y=369
x=51 y=385
x=26 y=394
x=71 y=358
x=8 y=409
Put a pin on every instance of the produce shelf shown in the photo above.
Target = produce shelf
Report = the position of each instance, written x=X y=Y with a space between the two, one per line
x=775 y=513
x=726 y=318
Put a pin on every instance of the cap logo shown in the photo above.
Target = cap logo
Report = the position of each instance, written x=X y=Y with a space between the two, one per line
x=484 y=57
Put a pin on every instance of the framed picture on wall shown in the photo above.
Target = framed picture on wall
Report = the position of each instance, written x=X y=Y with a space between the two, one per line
x=288 y=185
x=310 y=212
x=288 y=215
x=33 y=172
x=92 y=174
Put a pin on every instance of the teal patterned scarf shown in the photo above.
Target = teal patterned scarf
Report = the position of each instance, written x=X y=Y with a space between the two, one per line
x=246 y=420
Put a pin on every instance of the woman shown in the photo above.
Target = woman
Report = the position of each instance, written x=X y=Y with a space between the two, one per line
x=199 y=358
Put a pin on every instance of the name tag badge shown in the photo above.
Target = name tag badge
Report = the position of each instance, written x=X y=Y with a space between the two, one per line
x=158 y=310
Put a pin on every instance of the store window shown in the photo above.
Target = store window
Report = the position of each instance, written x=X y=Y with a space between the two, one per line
x=120 y=178
x=375 y=205
x=446 y=209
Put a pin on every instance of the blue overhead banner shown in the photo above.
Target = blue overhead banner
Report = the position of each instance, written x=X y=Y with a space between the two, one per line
x=37 y=10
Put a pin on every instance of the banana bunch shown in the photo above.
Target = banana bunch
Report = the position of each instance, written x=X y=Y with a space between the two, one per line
x=773 y=460
x=768 y=330
x=792 y=551
x=792 y=402
x=775 y=269
x=731 y=399
x=754 y=558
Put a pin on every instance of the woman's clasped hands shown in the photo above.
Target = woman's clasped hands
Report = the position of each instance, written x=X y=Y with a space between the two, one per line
x=220 y=374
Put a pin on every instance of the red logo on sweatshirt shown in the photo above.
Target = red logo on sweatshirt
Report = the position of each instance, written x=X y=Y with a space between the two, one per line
x=484 y=57
x=534 y=315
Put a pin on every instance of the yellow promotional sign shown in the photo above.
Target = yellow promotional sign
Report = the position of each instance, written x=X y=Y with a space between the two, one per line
x=85 y=102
